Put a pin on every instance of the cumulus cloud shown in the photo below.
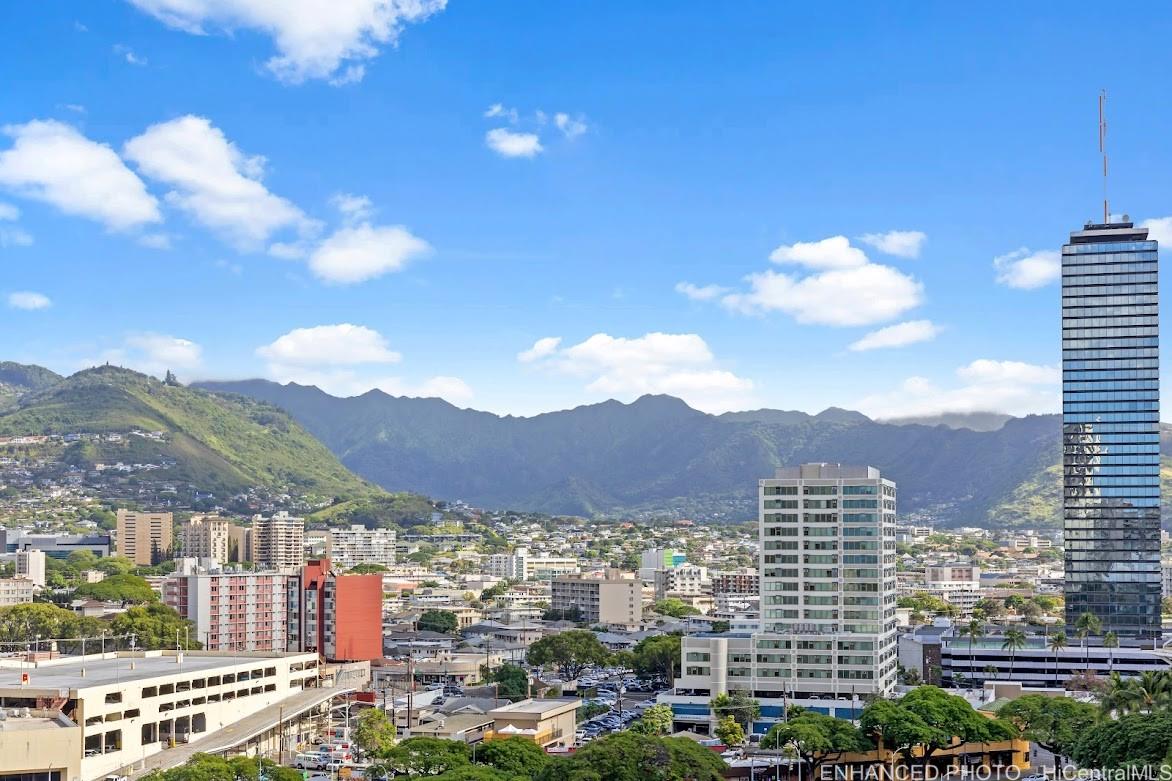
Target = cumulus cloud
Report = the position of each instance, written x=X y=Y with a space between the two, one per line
x=677 y=364
x=508 y=143
x=897 y=335
x=12 y=235
x=343 y=344
x=1159 y=229
x=353 y=208
x=901 y=244
x=315 y=39
x=128 y=54
x=984 y=385
x=28 y=300
x=541 y=348
x=154 y=354
x=1026 y=270
x=700 y=293
x=842 y=286
x=345 y=360
x=213 y=181
x=52 y=162
x=361 y=252
x=571 y=127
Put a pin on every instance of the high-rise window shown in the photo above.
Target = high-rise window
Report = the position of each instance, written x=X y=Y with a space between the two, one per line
x=1111 y=429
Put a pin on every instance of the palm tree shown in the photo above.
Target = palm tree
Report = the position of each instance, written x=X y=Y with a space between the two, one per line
x=1087 y=624
x=1149 y=692
x=1057 y=643
x=1015 y=640
x=974 y=630
x=1110 y=642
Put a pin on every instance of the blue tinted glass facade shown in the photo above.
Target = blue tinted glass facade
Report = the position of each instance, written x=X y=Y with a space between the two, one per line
x=1111 y=429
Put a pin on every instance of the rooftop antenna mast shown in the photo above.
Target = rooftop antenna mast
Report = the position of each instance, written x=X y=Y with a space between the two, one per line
x=1103 y=150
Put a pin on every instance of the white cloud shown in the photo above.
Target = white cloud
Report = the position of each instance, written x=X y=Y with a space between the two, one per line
x=700 y=293
x=76 y=108
x=541 y=348
x=361 y=252
x=902 y=244
x=571 y=128
x=868 y=294
x=50 y=161
x=155 y=241
x=339 y=360
x=343 y=344
x=12 y=235
x=353 y=208
x=677 y=364
x=28 y=300
x=985 y=385
x=128 y=54
x=506 y=143
x=833 y=252
x=214 y=181
x=499 y=110
x=1027 y=270
x=897 y=335
x=313 y=38
x=154 y=354
x=1159 y=229
x=8 y=212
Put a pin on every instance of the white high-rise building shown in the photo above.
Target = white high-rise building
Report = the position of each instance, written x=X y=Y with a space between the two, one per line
x=828 y=594
x=278 y=542
x=30 y=565
x=360 y=545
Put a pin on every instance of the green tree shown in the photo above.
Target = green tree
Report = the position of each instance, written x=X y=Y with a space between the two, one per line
x=438 y=621
x=1054 y=723
x=427 y=756
x=1015 y=640
x=1087 y=625
x=676 y=608
x=366 y=568
x=629 y=756
x=512 y=681
x=155 y=626
x=931 y=719
x=730 y=732
x=973 y=630
x=658 y=655
x=1056 y=642
x=720 y=627
x=1110 y=642
x=1149 y=692
x=118 y=588
x=656 y=720
x=374 y=732
x=517 y=756
x=816 y=738
x=738 y=704
x=113 y=565
x=571 y=652
x=1134 y=740
x=572 y=614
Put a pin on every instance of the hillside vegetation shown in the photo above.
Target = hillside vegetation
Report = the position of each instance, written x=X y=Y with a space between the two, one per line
x=216 y=443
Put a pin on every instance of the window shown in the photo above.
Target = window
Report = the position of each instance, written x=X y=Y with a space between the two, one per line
x=113 y=697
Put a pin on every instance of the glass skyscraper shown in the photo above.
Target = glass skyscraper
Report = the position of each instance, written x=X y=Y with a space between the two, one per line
x=1111 y=428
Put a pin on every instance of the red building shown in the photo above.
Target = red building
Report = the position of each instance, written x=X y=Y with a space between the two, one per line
x=338 y=616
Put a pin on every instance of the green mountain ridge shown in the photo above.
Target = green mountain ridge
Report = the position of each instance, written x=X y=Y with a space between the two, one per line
x=216 y=443
x=657 y=452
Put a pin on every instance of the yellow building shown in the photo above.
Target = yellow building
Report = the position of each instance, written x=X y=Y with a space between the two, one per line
x=548 y=723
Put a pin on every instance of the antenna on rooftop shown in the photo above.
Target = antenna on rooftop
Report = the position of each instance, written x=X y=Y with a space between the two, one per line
x=1103 y=150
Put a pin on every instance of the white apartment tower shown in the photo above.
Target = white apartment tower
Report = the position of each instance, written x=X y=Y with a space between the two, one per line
x=30 y=565
x=360 y=545
x=278 y=542
x=828 y=585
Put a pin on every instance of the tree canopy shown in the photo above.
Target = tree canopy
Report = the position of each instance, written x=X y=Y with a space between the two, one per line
x=516 y=755
x=1054 y=723
x=374 y=732
x=24 y=623
x=438 y=621
x=629 y=756
x=1134 y=739
x=424 y=756
x=155 y=626
x=571 y=652
x=118 y=588
x=738 y=704
x=511 y=681
x=656 y=720
x=929 y=718
x=816 y=737
x=658 y=656
x=676 y=608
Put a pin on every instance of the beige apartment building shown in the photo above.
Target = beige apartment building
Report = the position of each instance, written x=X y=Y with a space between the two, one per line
x=278 y=542
x=613 y=598
x=205 y=537
x=144 y=538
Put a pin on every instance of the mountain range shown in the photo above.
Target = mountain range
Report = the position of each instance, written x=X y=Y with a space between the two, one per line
x=657 y=454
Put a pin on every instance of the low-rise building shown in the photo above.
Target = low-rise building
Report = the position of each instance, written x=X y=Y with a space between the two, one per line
x=16 y=591
x=612 y=598
x=745 y=581
x=548 y=723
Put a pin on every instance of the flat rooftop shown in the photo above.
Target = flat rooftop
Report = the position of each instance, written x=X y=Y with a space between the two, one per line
x=67 y=672
x=534 y=707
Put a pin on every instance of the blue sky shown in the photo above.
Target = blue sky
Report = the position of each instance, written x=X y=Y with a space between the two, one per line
x=330 y=197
